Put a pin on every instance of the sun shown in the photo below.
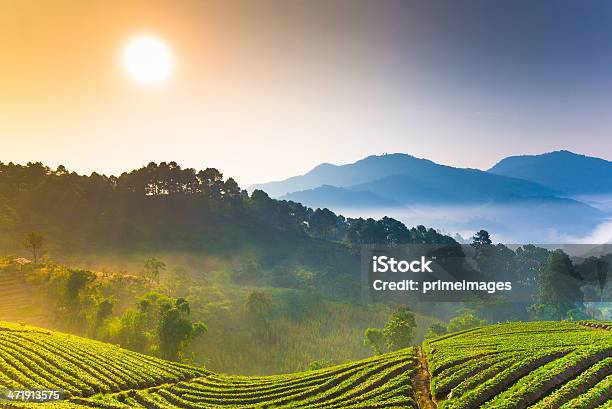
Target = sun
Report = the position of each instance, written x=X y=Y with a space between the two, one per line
x=147 y=60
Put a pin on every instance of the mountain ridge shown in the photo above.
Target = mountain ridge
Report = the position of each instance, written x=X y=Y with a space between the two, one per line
x=376 y=167
x=567 y=172
x=454 y=199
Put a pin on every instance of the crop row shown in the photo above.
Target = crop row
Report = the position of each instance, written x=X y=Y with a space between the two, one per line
x=98 y=375
x=539 y=365
x=79 y=367
x=380 y=382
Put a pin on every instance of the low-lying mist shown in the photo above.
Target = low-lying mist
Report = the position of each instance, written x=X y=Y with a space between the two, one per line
x=537 y=222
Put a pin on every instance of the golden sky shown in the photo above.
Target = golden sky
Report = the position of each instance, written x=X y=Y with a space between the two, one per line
x=265 y=89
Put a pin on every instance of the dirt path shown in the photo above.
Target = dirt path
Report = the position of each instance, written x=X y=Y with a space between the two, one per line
x=420 y=382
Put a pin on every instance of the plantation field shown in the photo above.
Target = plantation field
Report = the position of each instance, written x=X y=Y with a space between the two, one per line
x=99 y=375
x=513 y=365
x=34 y=358
x=523 y=365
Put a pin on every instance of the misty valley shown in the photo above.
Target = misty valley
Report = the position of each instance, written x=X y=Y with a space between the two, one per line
x=336 y=204
x=205 y=278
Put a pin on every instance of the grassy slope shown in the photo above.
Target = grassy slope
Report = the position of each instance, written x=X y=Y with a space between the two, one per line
x=303 y=327
x=538 y=364
x=96 y=374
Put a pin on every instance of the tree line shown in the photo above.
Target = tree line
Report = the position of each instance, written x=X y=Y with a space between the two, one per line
x=164 y=204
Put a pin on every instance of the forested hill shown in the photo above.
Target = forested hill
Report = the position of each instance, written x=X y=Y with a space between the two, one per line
x=163 y=206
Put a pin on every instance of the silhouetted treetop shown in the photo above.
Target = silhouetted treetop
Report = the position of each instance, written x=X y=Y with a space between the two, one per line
x=167 y=204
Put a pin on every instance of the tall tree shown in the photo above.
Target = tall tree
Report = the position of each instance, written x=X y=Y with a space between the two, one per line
x=175 y=329
x=399 y=328
x=34 y=242
x=375 y=339
x=323 y=222
x=558 y=287
x=481 y=238
x=258 y=305
x=152 y=268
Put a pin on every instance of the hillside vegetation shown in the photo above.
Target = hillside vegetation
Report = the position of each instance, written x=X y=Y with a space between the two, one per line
x=163 y=208
x=513 y=365
x=519 y=365
x=35 y=358
x=95 y=374
x=250 y=330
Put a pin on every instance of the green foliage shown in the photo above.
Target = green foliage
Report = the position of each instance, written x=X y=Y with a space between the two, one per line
x=537 y=365
x=466 y=321
x=529 y=260
x=319 y=364
x=558 y=288
x=77 y=280
x=129 y=330
x=248 y=273
x=323 y=223
x=99 y=375
x=595 y=270
x=435 y=331
x=301 y=325
x=103 y=310
x=258 y=305
x=399 y=329
x=390 y=231
x=481 y=238
x=152 y=268
x=175 y=329
x=163 y=205
x=160 y=325
x=34 y=242
x=375 y=339
x=34 y=357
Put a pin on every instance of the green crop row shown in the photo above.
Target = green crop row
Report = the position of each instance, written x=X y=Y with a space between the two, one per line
x=538 y=364
x=36 y=359
x=581 y=384
x=378 y=382
x=600 y=394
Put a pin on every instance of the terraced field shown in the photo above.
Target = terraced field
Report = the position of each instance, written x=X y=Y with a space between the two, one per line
x=99 y=375
x=16 y=303
x=523 y=365
x=513 y=365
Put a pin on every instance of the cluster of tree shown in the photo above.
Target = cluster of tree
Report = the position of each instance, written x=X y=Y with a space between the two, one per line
x=461 y=322
x=109 y=307
x=163 y=201
x=555 y=283
x=166 y=207
x=251 y=330
x=160 y=325
x=397 y=333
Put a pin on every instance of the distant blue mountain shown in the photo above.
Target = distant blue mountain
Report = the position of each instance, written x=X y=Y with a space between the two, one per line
x=364 y=170
x=520 y=199
x=338 y=197
x=445 y=185
x=563 y=171
x=405 y=179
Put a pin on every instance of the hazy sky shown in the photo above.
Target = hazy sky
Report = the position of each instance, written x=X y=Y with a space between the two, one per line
x=264 y=89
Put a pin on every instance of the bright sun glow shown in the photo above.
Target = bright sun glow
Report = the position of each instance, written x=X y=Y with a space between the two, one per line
x=147 y=60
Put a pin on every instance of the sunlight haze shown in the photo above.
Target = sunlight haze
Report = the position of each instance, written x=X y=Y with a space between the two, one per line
x=271 y=90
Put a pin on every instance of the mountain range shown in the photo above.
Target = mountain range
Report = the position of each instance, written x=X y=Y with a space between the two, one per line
x=531 y=191
x=564 y=171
